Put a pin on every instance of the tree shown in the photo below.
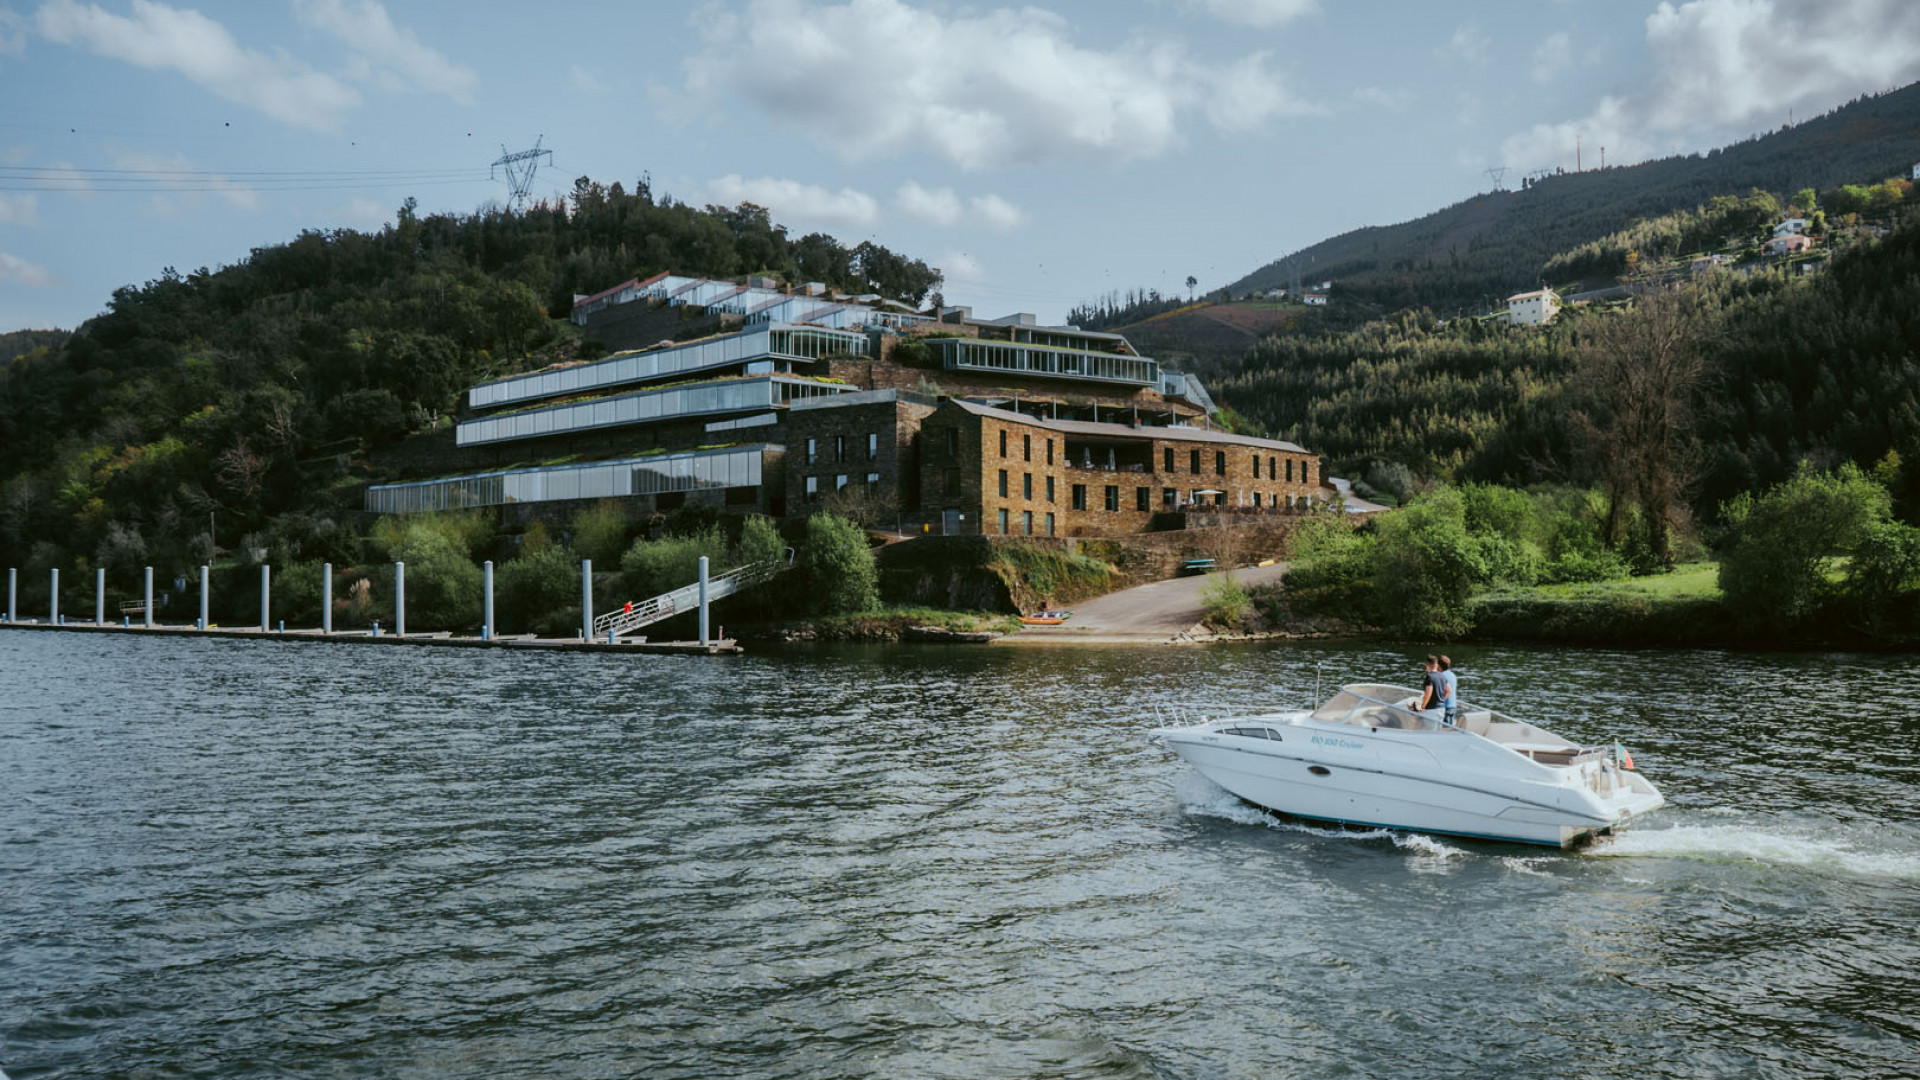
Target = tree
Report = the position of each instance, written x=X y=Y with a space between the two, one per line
x=1637 y=378
x=1782 y=558
x=1191 y=282
x=837 y=568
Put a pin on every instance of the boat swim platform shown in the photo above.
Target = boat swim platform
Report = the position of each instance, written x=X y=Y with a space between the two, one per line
x=437 y=639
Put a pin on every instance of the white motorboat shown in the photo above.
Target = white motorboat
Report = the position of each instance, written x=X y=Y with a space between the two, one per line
x=1366 y=757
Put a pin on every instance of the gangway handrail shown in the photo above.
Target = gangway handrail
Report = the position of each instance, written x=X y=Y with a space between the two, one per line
x=633 y=615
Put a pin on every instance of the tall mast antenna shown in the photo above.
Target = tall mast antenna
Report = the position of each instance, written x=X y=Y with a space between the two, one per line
x=520 y=168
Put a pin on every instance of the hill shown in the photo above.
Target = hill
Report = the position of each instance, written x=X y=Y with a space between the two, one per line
x=1203 y=337
x=205 y=407
x=1499 y=243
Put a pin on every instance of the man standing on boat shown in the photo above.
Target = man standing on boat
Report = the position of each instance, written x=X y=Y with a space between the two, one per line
x=1432 y=689
x=1449 y=690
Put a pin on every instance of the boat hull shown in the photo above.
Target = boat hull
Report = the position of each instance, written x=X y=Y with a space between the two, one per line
x=1401 y=785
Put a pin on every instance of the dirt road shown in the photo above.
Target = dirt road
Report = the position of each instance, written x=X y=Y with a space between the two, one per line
x=1145 y=613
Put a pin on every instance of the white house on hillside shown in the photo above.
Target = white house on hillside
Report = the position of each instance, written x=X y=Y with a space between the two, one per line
x=1315 y=299
x=1793 y=226
x=1535 y=308
x=1916 y=171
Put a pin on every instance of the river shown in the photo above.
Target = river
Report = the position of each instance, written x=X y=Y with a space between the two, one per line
x=257 y=859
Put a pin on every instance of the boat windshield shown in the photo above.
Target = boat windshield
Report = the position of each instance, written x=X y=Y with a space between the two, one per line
x=1375 y=706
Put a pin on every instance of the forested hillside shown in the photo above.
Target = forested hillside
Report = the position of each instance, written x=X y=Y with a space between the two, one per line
x=1784 y=368
x=1500 y=243
x=201 y=406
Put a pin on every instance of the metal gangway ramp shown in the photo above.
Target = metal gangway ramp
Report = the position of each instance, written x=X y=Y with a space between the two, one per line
x=636 y=614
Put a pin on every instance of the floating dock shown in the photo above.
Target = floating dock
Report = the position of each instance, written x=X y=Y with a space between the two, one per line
x=443 y=640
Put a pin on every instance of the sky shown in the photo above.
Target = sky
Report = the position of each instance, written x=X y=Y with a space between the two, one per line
x=1040 y=155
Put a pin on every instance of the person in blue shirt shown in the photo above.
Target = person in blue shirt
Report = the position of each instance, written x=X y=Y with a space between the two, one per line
x=1449 y=689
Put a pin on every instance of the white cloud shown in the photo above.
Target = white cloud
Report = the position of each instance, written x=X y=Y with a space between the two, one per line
x=793 y=199
x=939 y=205
x=365 y=213
x=1552 y=57
x=162 y=38
x=1246 y=95
x=21 y=209
x=389 y=55
x=584 y=80
x=16 y=269
x=178 y=171
x=960 y=266
x=996 y=213
x=13 y=32
x=1381 y=97
x=982 y=89
x=1720 y=68
x=1467 y=45
x=1259 y=13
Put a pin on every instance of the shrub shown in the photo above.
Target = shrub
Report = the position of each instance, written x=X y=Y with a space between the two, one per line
x=1224 y=603
x=652 y=567
x=760 y=541
x=443 y=584
x=600 y=533
x=1782 y=557
x=538 y=588
x=837 y=568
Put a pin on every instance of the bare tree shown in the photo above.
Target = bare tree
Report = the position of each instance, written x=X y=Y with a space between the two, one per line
x=1636 y=378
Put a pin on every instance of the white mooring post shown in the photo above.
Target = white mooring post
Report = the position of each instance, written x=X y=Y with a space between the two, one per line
x=205 y=572
x=326 y=598
x=100 y=596
x=13 y=594
x=53 y=599
x=149 y=592
x=586 y=599
x=266 y=592
x=703 y=599
x=400 y=598
x=486 y=606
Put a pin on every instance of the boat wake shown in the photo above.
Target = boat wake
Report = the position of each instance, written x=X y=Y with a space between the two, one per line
x=1199 y=795
x=1832 y=849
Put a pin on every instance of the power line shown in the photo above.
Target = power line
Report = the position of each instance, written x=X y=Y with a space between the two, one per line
x=212 y=183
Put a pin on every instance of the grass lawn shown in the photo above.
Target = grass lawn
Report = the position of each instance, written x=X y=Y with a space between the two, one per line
x=1691 y=581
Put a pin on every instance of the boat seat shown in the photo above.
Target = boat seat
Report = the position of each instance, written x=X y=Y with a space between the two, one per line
x=1477 y=722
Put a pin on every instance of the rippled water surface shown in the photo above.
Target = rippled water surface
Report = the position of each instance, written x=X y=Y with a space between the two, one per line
x=257 y=859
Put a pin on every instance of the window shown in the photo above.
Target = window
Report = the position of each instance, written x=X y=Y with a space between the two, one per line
x=1113 y=496
x=1003 y=522
x=1219 y=463
x=873 y=446
x=953 y=442
x=1169 y=453
x=1049 y=524
x=1169 y=498
x=1256 y=466
x=1003 y=483
x=873 y=483
x=1079 y=496
x=1003 y=449
x=1026 y=486
x=1256 y=495
x=1193 y=462
x=1026 y=522
x=1026 y=451
x=813 y=489
x=1143 y=499
x=1289 y=470
x=813 y=451
x=839 y=448
x=1273 y=469
x=1049 y=489
x=1049 y=451
x=840 y=481
x=952 y=481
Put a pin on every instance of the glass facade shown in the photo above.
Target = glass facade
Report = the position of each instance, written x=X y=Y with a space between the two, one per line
x=971 y=354
x=735 y=395
x=775 y=340
x=696 y=471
